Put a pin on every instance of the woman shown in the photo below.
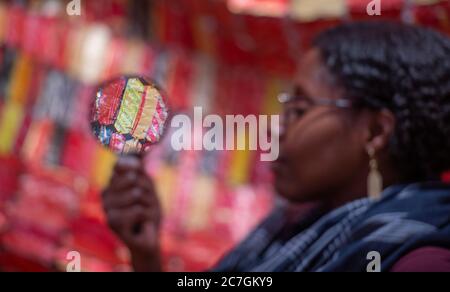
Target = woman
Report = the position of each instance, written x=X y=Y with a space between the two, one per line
x=370 y=114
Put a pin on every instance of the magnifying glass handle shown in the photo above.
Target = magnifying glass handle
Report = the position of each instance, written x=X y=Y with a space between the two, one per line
x=137 y=228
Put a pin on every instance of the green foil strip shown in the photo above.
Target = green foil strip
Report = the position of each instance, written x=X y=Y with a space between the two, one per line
x=130 y=106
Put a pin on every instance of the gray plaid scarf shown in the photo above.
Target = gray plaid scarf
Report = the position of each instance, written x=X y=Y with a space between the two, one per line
x=407 y=217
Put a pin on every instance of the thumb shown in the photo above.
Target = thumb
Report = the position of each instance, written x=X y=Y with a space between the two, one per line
x=150 y=234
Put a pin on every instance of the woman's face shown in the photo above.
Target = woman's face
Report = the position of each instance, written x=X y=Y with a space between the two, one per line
x=321 y=150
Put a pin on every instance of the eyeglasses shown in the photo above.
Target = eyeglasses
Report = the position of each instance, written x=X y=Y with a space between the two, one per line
x=297 y=106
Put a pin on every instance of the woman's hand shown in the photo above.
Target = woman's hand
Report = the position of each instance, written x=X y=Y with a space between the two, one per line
x=133 y=212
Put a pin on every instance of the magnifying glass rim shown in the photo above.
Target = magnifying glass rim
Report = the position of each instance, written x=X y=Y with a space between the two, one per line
x=148 y=82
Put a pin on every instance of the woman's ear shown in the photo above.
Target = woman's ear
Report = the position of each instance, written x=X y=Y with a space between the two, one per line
x=380 y=129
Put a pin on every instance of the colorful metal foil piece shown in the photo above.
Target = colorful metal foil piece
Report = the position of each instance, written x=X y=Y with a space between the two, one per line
x=129 y=115
x=108 y=101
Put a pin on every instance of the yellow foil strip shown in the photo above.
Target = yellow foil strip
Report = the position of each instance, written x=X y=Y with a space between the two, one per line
x=151 y=100
x=130 y=106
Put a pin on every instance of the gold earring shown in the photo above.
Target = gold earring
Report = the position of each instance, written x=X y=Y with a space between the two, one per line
x=374 y=180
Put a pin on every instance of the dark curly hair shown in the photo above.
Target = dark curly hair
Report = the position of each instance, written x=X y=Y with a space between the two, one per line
x=405 y=69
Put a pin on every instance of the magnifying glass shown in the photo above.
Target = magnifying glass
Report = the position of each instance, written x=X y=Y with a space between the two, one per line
x=128 y=116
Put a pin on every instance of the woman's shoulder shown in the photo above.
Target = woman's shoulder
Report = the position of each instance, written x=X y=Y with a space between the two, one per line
x=426 y=259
